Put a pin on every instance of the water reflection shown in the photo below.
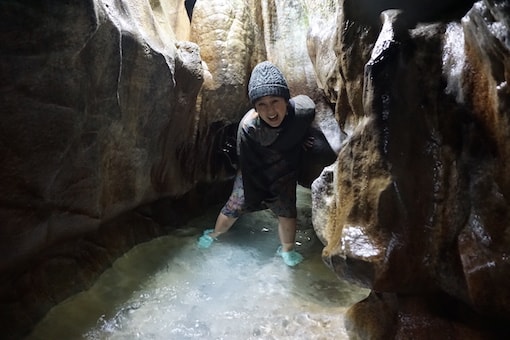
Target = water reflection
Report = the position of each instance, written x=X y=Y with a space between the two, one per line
x=237 y=289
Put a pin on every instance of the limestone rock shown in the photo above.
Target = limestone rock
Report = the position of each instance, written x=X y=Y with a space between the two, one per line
x=89 y=90
x=415 y=204
x=227 y=34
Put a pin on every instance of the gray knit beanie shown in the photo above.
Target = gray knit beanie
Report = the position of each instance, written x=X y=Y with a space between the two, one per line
x=267 y=80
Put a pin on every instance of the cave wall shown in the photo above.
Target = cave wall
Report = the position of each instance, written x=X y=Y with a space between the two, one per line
x=89 y=92
x=416 y=207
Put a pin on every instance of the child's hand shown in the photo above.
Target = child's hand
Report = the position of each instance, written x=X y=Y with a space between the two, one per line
x=308 y=143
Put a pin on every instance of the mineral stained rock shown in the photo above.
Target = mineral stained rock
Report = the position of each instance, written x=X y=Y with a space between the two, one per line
x=415 y=207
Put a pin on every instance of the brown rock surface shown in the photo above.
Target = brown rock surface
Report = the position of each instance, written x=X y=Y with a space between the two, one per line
x=82 y=117
x=415 y=208
x=88 y=92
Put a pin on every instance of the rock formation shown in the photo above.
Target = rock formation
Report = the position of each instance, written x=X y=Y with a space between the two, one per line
x=90 y=91
x=416 y=208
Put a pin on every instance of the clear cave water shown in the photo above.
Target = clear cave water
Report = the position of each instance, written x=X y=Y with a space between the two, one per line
x=237 y=289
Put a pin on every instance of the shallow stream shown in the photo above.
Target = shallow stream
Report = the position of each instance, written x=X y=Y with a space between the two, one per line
x=237 y=289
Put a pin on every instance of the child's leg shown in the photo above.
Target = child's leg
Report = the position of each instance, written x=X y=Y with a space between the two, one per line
x=223 y=224
x=287 y=232
x=228 y=214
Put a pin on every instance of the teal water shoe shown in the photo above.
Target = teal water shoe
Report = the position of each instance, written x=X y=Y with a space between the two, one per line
x=291 y=258
x=205 y=240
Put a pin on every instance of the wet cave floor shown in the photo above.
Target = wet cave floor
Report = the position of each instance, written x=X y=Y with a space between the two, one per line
x=237 y=289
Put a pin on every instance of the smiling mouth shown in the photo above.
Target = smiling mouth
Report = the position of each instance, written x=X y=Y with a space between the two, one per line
x=273 y=117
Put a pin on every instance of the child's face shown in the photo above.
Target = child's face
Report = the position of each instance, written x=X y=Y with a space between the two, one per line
x=271 y=109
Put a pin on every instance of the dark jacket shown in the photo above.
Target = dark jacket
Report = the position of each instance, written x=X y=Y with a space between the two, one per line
x=269 y=157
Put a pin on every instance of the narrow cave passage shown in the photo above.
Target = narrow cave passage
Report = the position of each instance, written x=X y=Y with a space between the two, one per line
x=238 y=289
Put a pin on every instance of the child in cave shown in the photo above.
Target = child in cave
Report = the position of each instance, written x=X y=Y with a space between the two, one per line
x=270 y=140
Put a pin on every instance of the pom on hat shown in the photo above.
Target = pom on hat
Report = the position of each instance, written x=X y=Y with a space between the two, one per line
x=267 y=80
